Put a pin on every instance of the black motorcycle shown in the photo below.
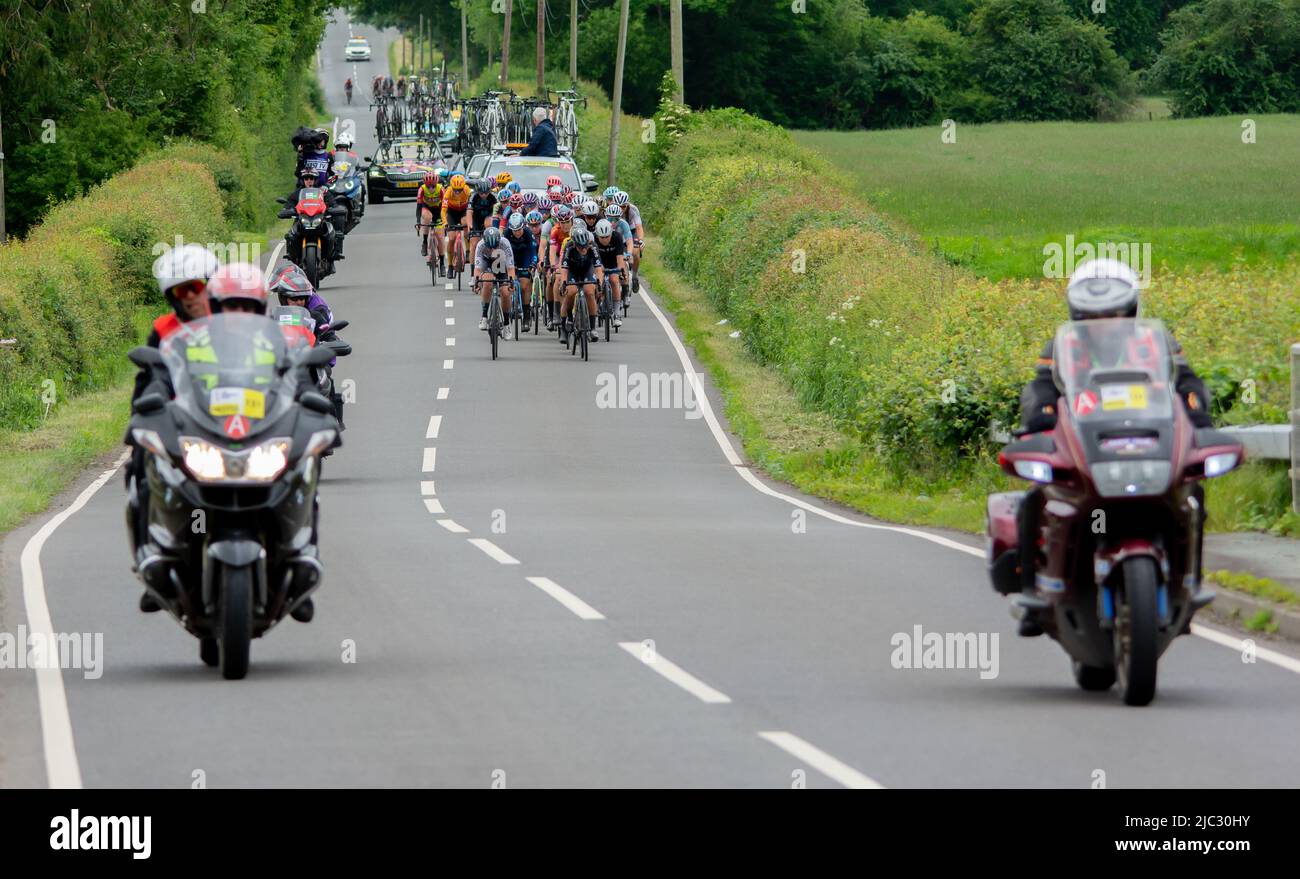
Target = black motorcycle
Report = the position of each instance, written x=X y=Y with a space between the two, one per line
x=349 y=188
x=317 y=231
x=233 y=431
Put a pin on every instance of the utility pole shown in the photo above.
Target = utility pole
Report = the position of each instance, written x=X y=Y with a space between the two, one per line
x=464 y=48
x=573 y=41
x=418 y=47
x=3 y=237
x=505 y=46
x=618 y=92
x=675 y=38
x=541 y=47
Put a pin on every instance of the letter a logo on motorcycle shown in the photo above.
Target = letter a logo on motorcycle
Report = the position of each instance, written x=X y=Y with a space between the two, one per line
x=1085 y=403
x=236 y=427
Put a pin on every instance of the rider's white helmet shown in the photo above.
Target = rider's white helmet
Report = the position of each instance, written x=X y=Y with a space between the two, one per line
x=189 y=262
x=343 y=142
x=1103 y=288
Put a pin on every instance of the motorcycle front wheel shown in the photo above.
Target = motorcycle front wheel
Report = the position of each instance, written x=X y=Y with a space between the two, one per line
x=236 y=616
x=1136 y=635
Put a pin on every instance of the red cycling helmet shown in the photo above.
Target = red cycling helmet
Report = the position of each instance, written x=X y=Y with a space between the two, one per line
x=516 y=201
x=430 y=178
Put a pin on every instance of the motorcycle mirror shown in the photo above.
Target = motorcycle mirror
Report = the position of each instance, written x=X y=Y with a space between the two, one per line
x=340 y=325
x=321 y=355
x=282 y=200
x=316 y=402
x=340 y=348
x=148 y=404
x=145 y=357
x=367 y=158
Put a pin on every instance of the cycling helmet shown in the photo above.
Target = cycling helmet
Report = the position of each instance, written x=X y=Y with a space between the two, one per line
x=555 y=192
x=581 y=238
x=590 y=209
x=513 y=186
x=458 y=181
x=1103 y=288
x=619 y=198
x=543 y=203
x=323 y=137
x=530 y=198
x=516 y=221
x=503 y=178
x=566 y=189
x=609 y=192
x=491 y=237
x=533 y=218
x=578 y=223
x=516 y=201
x=503 y=197
x=604 y=229
x=562 y=212
x=553 y=180
x=444 y=173
x=291 y=283
x=482 y=184
x=237 y=282
x=430 y=178
x=613 y=212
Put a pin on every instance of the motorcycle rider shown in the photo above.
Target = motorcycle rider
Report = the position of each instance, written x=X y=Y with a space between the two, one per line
x=1098 y=289
x=335 y=211
x=313 y=153
x=347 y=88
x=292 y=287
x=182 y=274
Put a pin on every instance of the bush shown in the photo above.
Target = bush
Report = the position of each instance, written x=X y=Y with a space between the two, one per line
x=69 y=292
x=1039 y=62
x=1232 y=56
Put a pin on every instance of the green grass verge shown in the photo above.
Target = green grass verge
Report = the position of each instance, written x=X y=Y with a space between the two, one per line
x=799 y=445
x=1260 y=587
x=1190 y=187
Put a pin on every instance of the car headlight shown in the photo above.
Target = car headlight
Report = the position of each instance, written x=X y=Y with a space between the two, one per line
x=209 y=463
x=1131 y=478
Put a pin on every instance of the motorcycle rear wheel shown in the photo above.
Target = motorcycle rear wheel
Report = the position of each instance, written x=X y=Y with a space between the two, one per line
x=1136 y=634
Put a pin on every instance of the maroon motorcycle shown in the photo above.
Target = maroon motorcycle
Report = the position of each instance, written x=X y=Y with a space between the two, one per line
x=1118 y=555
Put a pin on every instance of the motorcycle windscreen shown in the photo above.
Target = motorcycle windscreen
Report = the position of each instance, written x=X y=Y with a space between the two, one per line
x=1117 y=379
x=226 y=373
x=296 y=324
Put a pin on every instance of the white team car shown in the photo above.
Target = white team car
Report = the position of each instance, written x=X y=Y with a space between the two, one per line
x=358 y=49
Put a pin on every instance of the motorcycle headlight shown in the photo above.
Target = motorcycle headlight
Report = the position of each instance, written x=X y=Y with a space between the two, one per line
x=209 y=463
x=1131 y=478
x=310 y=222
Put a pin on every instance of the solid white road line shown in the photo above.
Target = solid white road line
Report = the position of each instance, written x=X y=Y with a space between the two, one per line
x=493 y=551
x=443 y=392
x=565 y=597
x=435 y=424
x=687 y=681
x=743 y=470
x=427 y=488
x=450 y=525
x=430 y=459
x=1234 y=643
x=61 y=767
x=434 y=505
x=821 y=761
x=448 y=364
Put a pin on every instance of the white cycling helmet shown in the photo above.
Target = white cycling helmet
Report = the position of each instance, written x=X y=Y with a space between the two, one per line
x=604 y=229
x=189 y=262
x=1103 y=288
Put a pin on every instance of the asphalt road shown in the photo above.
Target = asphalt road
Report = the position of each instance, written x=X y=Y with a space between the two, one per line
x=522 y=661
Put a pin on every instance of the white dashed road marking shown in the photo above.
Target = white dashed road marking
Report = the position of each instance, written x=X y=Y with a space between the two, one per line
x=687 y=681
x=493 y=551
x=565 y=597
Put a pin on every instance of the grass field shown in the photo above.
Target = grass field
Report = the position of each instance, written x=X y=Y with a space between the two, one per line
x=1191 y=188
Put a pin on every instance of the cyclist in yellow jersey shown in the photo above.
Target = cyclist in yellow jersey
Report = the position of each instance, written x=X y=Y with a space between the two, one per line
x=428 y=217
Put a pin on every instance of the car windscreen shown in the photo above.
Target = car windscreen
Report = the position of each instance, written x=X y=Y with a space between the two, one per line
x=532 y=172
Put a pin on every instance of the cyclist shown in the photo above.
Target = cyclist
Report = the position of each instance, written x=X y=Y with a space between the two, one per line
x=562 y=223
x=502 y=180
x=611 y=250
x=347 y=88
x=455 y=204
x=633 y=217
x=615 y=216
x=590 y=213
x=492 y=258
x=581 y=269
x=482 y=205
x=428 y=219
x=607 y=196
x=523 y=243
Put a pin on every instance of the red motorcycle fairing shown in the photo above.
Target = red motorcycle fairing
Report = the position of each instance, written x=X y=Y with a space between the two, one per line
x=311 y=203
